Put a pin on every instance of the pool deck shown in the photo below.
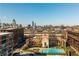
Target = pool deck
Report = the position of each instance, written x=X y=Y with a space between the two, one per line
x=37 y=49
x=46 y=48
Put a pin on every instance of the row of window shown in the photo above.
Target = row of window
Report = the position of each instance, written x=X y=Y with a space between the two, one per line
x=5 y=51
x=4 y=36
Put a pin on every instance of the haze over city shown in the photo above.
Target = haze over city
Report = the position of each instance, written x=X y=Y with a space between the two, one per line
x=42 y=14
x=39 y=29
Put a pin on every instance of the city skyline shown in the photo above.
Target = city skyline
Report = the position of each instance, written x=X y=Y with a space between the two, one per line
x=42 y=14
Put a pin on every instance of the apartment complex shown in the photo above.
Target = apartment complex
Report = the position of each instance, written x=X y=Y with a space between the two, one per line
x=73 y=41
x=17 y=29
x=18 y=35
x=41 y=38
x=6 y=44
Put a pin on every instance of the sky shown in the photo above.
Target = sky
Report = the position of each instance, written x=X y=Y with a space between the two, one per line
x=41 y=13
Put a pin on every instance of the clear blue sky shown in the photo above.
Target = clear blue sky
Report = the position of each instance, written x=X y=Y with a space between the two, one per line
x=42 y=14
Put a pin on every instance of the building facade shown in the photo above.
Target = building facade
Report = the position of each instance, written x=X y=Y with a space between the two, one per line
x=73 y=42
x=45 y=40
x=6 y=44
x=18 y=35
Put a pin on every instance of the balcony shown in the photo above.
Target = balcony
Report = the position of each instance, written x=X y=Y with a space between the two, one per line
x=74 y=37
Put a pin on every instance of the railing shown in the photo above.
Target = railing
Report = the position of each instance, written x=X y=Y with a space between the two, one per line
x=77 y=52
x=72 y=36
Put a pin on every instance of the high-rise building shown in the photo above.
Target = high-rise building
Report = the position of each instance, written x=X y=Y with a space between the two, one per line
x=6 y=44
x=18 y=34
x=33 y=24
x=14 y=23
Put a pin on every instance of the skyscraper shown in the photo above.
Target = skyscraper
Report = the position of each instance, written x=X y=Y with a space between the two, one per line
x=33 y=24
x=14 y=23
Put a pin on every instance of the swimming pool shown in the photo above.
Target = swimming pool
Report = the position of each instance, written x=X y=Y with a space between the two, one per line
x=53 y=51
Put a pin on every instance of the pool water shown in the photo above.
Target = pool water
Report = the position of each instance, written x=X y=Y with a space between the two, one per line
x=56 y=51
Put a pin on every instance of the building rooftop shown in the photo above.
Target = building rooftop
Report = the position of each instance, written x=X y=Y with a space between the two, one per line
x=3 y=33
x=9 y=28
x=74 y=30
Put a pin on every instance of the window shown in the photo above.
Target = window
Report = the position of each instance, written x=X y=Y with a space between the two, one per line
x=10 y=41
x=10 y=54
x=4 y=41
x=10 y=35
x=4 y=51
x=3 y=45
x=3 y=37
x=10 y=46
x=0 y=50
x=9 y=50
